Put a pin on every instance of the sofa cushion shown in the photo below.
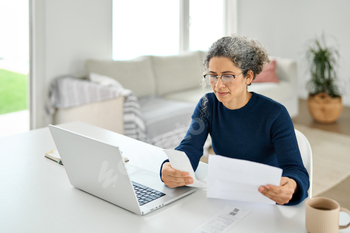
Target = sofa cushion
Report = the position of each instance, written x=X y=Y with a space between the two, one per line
x=287 y=70
x=177 y=73
x=167 y=121
x=192 y=95
x=268 y=74
x=136 y=74
x=202 y=55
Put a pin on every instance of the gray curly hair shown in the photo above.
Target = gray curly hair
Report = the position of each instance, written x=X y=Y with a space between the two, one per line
x=246 y=54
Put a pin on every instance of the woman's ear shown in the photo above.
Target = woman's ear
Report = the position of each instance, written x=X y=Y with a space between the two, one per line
x=249 y=77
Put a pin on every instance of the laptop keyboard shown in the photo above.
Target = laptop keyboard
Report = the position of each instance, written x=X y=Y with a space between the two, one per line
x=145 y=194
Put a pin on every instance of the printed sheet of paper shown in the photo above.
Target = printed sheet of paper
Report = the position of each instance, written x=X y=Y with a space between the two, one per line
x=223 y=221
x=239 y=180
x=180 y=161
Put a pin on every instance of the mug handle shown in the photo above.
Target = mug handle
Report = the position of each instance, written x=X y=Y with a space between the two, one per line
x=347 y=211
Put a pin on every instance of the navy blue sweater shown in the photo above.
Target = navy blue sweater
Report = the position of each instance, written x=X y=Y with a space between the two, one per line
x=261 y=131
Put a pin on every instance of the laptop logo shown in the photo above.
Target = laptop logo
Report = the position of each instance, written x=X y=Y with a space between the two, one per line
x=105 y=176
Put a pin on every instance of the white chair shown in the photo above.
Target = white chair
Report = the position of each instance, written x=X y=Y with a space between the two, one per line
x=306 y=155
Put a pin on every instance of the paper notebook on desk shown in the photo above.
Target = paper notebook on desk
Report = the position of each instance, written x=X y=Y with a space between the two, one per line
x=55 y=156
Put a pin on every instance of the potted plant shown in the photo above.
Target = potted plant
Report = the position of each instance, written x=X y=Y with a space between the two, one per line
x=324 y=101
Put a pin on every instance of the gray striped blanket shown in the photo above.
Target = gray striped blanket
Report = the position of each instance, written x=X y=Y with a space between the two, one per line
x=67 y=92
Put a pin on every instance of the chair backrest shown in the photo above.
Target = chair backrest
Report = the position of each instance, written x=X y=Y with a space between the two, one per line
x=306 y=155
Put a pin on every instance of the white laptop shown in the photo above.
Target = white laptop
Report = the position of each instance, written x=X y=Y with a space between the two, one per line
x=98 y=168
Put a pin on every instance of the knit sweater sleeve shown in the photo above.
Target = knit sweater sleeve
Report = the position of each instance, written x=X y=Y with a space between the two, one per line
x=288 y=154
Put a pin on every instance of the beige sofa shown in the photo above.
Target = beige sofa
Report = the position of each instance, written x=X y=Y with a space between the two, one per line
x=168 y=89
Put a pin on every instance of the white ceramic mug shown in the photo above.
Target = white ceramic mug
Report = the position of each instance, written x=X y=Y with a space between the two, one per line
x=322 y=215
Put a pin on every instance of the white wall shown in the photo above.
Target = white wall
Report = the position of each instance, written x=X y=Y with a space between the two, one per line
x=65 y=34
x=284 y=27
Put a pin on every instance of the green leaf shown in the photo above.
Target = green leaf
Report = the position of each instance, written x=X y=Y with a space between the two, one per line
x=322 y=61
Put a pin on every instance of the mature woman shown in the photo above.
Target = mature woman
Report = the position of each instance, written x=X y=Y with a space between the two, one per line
x=242 y=124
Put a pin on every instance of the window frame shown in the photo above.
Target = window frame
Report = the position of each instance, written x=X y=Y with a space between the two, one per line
x=229 y=15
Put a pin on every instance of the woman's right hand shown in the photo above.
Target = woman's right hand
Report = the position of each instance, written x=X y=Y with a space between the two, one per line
x=174 y=178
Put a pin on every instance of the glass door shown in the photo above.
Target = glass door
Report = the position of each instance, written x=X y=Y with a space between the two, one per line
x=14 y=66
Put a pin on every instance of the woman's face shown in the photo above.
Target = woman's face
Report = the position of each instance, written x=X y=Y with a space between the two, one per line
x=231 y=96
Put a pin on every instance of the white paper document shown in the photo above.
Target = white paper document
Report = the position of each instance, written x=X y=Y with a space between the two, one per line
x=181 y=162
x=239 y=180
x=223 y=221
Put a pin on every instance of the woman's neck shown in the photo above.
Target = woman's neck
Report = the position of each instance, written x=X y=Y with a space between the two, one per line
x=239 y=102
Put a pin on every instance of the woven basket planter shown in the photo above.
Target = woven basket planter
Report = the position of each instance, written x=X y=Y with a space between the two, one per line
x=323 y=108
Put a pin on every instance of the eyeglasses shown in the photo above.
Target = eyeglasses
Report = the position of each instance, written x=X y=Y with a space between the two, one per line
x=227 y=79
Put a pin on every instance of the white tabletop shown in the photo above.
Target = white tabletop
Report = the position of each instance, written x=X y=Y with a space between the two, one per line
x=36 y=196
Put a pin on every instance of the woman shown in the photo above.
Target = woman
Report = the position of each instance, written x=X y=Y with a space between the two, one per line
x=242 y=125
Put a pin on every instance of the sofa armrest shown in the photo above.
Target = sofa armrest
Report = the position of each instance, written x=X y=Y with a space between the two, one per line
x=108 y=114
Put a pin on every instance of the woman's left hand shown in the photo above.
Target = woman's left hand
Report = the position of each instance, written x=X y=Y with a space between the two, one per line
x=280 y=194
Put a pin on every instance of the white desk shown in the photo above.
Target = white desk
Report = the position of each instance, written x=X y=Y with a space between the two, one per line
x=36 y=196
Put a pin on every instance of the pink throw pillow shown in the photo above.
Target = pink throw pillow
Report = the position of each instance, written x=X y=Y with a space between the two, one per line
x=268 y=74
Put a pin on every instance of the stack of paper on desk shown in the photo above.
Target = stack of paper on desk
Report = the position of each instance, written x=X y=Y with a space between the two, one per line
x=240 y=180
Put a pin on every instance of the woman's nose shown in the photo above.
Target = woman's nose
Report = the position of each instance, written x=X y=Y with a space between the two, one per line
x=219 y=82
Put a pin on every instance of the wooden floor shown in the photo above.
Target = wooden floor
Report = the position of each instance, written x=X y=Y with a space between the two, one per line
x=341 y=192
x=342 y=125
